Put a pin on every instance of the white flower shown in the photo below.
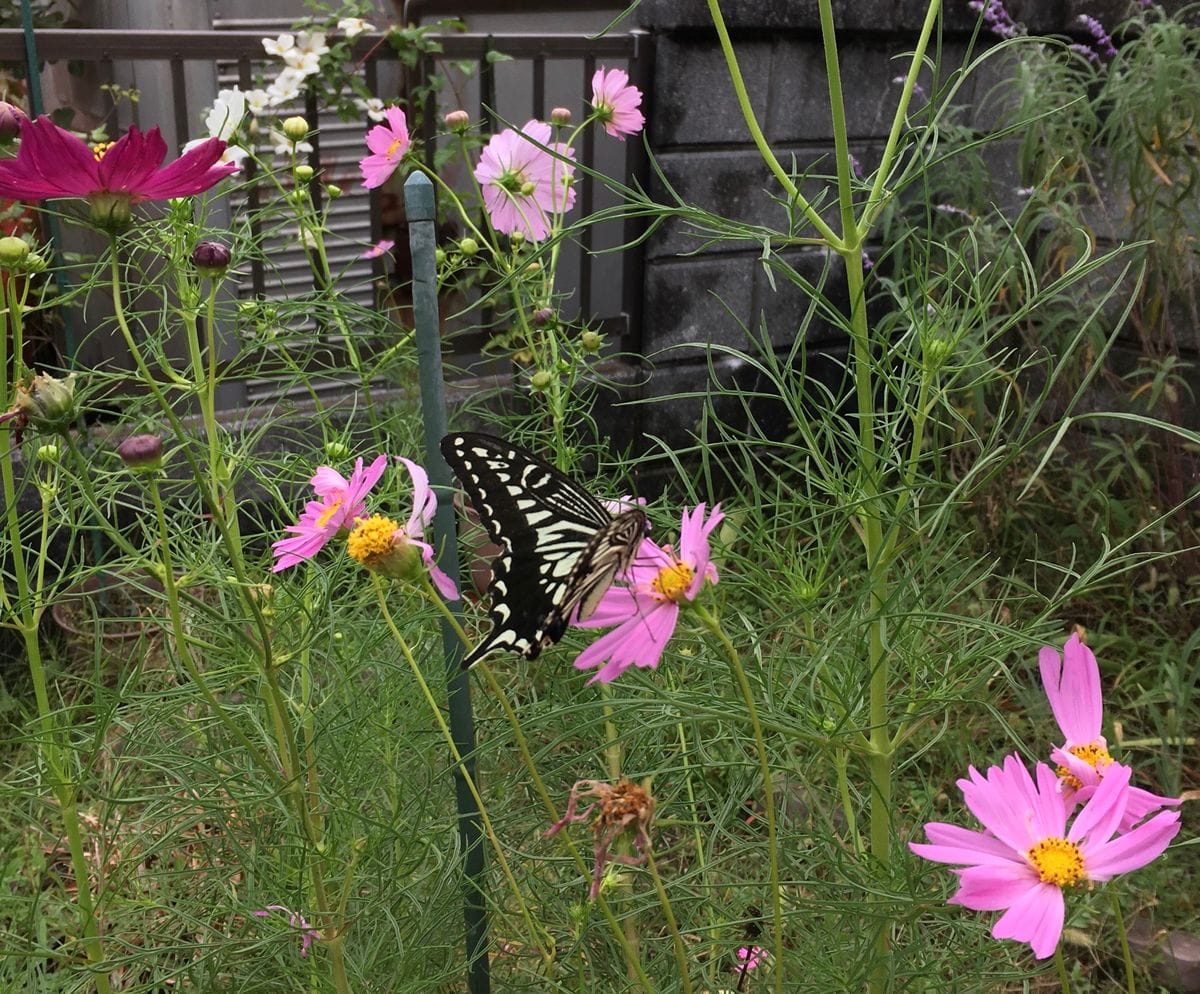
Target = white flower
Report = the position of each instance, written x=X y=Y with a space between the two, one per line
x=312 y=42
x=352 y=26
x=283 y=145
x=279 y=46
x=305 y=63
x=226 y=114
x=286 y=87
x=374 y=108
x=257 y=101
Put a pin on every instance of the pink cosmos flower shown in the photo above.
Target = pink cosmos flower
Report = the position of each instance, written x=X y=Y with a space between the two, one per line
x=381 y=247
x=424 y=508
x=616 y=103
x=645 y=611
x=341 y=502
x=295 y=920
x=389 y=143
x=1072 y=684
x=524 y=186
x=750 y=958
x=1027 y=853
x=112 y=176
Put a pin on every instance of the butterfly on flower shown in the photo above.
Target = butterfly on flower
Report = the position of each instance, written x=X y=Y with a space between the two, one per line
x=560 y=548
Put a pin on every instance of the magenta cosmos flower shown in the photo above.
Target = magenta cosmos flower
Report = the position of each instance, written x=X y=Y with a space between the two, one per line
x=388 y=142
x=616 y=103
x=524 y=186
x=1027 y=853
x=111 y=176
x=646 y=611
x=394 y=550
x=1072 y=683
x=341 y=502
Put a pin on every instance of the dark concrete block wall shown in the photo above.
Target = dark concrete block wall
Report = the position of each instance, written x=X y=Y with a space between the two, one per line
x=699 y=291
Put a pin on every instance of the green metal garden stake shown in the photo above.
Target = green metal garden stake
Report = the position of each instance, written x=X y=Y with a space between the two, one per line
x=419 y=207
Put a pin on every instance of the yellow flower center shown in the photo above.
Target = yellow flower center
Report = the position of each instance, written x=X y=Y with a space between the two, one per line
x=1057 y=861
x=101 y=148
x=1094 y=754
x=371 y=541
x=329 y=512
x=672 y=581
x=396 y=143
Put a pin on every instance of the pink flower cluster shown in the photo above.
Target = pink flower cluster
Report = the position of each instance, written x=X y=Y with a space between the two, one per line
x=524 y=174
x=1081 y=822
x=342 y=504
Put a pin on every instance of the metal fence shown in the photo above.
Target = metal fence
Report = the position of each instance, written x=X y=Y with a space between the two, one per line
x=177 y=75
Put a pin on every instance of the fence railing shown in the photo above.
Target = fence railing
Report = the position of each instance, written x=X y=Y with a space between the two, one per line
x=178 y=74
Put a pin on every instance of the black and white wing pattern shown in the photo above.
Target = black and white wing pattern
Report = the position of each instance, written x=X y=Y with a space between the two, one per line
x=560 y=548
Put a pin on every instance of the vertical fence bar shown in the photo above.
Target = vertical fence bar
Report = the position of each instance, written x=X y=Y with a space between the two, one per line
x=422 y=236
x=637 y=170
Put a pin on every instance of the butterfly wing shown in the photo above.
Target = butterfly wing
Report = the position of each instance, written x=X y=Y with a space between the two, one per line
x=560 y=549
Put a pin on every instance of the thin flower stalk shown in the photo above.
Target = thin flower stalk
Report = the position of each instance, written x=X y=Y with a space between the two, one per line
x=28 y=612
x=538 y=934
x=628 y=950
x=739 y=675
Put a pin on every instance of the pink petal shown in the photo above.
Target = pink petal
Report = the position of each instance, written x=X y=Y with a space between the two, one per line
x=639 y=641
x=1036 y=917
x=1099 y=817
x=1135 y=849
x=993 y=888
x=1073 y=689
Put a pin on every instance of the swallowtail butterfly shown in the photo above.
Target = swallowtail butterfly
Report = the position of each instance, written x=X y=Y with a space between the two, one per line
x=560 y=548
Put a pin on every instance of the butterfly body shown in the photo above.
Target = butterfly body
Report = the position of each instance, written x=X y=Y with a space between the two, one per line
x=560 y=548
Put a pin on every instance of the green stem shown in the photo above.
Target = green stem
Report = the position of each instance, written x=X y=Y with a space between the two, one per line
x=739 y=675
x=681 y=963
x=794 y=195
x=29 y=612
x=539 y=786
x=1060 y=967
x=1126 y=955
x=536 y=933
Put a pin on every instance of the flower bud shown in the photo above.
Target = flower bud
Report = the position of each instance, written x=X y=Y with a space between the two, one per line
x=10 y=122
x=516 y=239
x=468 y=247
x=439 y=256
x=528 y=188
x=937 y=351
x=540 y=381
x=333 y=191
x=590 y=340
x=457 y=120
x=48 y=453
x=141 y=453
x=533 y=268
x=560 y=116
x=47 y=402
x=13 y=252
x=35 y=263
x=247 y=309
x=210 y=258
x=542 y=316
x=295 y=129
x=303 y=174
x=335 y=451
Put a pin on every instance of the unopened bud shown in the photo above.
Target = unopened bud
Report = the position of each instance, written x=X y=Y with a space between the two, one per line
x=141 y=453
x=35 y=263
x=540 y=380
x=439 y=256
x=457 y=120
x=937 y=351
x=332 y=190
x=13 y=251
x=210 y=258
x=468 y=247
x=591 y=340
x=542 y=316
x=10 y=122
x=48 y=453
x=527 y=188
x=516 y=239
x=303 y=174
x=336 y=451
x=295 y=129
x=560 y=116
